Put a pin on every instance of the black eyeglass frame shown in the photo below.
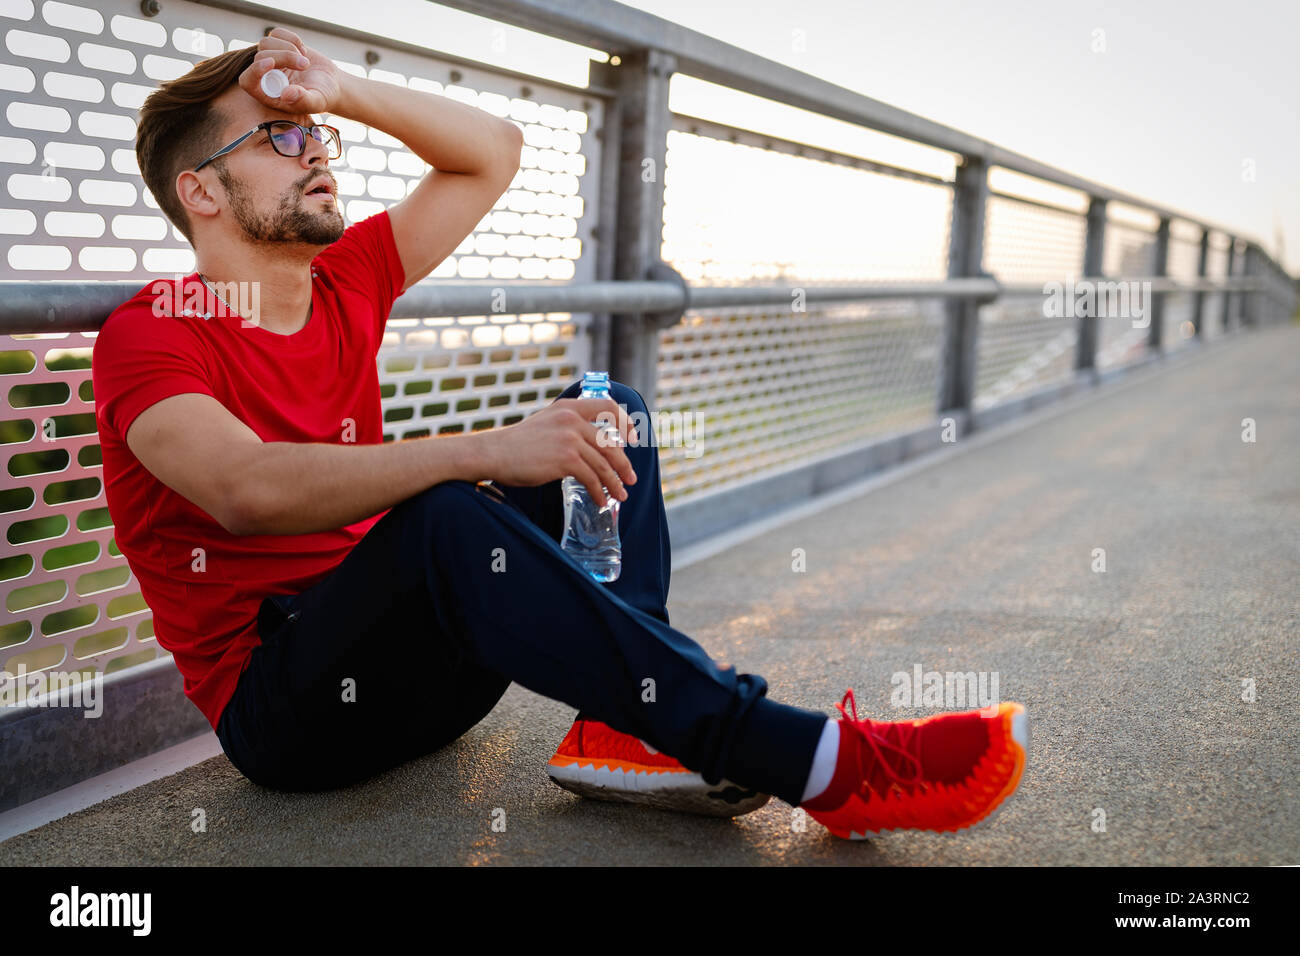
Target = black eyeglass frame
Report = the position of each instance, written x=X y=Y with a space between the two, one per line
x=306 y=130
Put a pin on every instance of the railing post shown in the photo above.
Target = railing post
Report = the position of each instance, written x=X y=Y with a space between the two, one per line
x=1094 y=247
x=641 y=139
x=1250 y=300
x=605 y=231
x=1229 y=298
x=965 y=258
x=1161 y=269
x=1202 y=264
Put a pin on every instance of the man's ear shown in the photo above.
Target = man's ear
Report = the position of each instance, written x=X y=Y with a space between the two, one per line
x=194 y=194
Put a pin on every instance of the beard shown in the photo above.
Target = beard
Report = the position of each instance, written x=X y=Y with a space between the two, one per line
x=293 y=220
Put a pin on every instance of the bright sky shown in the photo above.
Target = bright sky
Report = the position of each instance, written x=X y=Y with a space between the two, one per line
x=1190 y=103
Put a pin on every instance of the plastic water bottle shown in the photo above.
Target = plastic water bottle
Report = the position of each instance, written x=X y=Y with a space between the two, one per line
x=590 y=531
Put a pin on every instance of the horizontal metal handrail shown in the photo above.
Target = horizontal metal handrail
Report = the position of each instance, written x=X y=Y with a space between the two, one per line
x=502 y=297
x=60 y=306
x=720 y=296
x=46 y=307
x=1160 y=285
x=698 y=126
x=616 y=28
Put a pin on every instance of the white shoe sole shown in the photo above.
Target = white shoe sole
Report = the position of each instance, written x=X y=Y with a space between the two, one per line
x=686 y=792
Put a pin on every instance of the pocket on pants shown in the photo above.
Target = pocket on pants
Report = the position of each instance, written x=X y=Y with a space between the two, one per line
x=492 y=491
x=276 y=612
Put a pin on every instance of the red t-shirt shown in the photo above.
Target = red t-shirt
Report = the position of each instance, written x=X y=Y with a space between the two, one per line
x=300 y=388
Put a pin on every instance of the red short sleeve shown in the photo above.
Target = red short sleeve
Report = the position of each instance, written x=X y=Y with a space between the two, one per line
x=139 y=359
x=366 y=261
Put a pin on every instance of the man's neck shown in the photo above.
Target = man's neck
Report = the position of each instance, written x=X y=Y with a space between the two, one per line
x=275 y=294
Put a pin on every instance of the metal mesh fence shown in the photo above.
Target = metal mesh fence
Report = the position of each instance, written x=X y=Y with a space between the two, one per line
x=1178 y=327
x=74 y=207
x=1183 y=262
x=763 y=389
x=1120 y=340
x=760 y=388
x=80 y=75
x=766 y=387
x=1216 y=266
x=1022 y=343
x=1129 y=250
x=776 y=217
x=1234 y=303
x=1184 y=256
x=1019 y=348
x=1030 y=243
x=1278 y=300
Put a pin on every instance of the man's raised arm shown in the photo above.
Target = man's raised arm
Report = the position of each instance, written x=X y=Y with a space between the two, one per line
x=474 y=154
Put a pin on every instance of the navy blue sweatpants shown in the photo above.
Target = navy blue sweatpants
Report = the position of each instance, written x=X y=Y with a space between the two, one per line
x=460 y=590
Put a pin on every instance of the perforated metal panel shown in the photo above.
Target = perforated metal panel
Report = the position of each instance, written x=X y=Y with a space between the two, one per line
x=1021 y=345
x=77 y=208
x=74 y=207
x=71 y=602
x=1130 y=247
x=1129 y=250
x=447 y=375
x=1184 y=250
x=1235 y=303
x=1182 y=262
x=1119 y=342
x=1030 y=243
x=1178 y=328
x=771 y=388
x=1216 y=263
x=778 y=217
x=1019 y=349
x=1277 y=302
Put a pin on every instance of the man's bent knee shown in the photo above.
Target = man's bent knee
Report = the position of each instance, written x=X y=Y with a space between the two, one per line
x=627 y=396
x=443 y=504
x=624 y=395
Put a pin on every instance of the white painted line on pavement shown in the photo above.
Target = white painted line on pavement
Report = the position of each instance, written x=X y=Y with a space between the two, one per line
x=79 y=796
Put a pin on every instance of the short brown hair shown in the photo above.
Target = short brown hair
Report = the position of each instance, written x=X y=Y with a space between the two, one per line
x=179 y=128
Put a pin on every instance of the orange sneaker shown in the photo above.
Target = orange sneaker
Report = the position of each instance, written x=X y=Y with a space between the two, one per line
x=943 y=773
x=595 y=760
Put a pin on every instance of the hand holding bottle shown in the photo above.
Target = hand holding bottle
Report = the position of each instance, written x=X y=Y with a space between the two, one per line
x=561 y=440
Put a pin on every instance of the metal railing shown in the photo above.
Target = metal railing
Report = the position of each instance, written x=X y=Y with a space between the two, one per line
x=792 y=360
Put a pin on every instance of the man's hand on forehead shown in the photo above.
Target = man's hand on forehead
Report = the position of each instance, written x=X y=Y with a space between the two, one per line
x=314 y=79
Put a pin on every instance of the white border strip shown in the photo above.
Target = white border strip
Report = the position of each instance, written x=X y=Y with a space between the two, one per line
x=79 y=796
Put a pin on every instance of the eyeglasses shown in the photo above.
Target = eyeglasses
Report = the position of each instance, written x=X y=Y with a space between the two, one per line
x=288 y=139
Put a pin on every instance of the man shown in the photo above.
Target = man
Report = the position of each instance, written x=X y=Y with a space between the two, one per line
x=332 y=601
